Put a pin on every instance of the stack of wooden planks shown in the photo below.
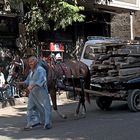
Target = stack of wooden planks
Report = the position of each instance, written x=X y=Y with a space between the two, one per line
x=116 y=63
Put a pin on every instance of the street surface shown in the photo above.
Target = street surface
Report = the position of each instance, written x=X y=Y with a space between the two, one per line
x=116 y=124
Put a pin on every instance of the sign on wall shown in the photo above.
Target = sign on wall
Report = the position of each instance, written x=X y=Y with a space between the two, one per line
x=126 y=4
x=56 y=47
x=128 y=1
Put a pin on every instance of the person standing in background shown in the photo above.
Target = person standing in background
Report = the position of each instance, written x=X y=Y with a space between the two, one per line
x=2 y=78
x=2 y=82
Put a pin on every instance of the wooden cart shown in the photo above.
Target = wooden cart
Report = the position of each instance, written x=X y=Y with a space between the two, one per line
x=124 y=91
x=115 y=74
x=129 y=92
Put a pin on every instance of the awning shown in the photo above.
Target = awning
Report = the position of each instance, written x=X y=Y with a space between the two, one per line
x=114 y=7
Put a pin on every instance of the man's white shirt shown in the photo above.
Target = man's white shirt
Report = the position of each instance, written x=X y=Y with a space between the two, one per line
x=2 y=79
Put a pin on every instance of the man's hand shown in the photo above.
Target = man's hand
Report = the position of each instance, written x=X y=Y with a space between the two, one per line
x=30 y=87
x=19 y=83
x=25 y=93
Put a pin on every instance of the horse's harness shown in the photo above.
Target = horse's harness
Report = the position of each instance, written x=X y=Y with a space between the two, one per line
x=61 y=70
x=63 y=75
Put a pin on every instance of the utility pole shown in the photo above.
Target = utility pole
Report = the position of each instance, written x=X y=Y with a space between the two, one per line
x=131 y=25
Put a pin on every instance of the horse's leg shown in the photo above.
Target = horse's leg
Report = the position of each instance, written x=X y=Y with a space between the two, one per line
x=73 y=85
x=53 y=98
x=83 y=108
x=81 y=102
x=82 y=99
x=54 y=103
x=78 y=107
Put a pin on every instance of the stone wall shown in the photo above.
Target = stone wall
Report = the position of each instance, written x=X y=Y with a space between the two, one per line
x=120 y=26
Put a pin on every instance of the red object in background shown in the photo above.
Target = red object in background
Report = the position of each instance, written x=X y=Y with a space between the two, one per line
x=61 y=47
x=52 y=46
x=56 y=47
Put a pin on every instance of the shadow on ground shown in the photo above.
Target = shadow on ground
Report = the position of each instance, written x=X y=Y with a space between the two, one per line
x=12 y=123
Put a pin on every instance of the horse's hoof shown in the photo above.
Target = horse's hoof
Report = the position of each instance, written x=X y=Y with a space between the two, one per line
x=64 y=116
x=83 y=115
x=79 y=116
x=76 y=116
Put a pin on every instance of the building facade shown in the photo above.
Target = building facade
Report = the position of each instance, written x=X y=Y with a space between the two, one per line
x=9 y=30
x=116 y=18
x=112 y=18
x=123 y=15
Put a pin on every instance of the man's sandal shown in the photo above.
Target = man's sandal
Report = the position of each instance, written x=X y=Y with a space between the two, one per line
x=30 y=127
x=27 y=128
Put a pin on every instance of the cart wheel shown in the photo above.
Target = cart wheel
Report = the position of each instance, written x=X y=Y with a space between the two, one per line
x=104 y=102
x=134 y=100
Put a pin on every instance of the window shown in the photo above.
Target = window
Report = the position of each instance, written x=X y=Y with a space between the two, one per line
x=8 y=26
x=89 y=52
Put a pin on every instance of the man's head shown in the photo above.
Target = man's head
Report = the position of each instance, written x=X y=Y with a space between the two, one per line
x=33 y=62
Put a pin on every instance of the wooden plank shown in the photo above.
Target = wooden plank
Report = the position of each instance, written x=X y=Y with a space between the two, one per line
x=93 y=92
x=132 y=50
x=106 y=79
x=131 y=60
x=101 y=67
x=128 y=77
x=134 y=55
x=109 y=79
x=126 y=65
x=129 y=71
x=112 y=72
x=107 y=56
x=105 y=67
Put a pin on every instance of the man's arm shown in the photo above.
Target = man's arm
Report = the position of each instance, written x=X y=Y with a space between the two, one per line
x=41 y=78
x=26 y=82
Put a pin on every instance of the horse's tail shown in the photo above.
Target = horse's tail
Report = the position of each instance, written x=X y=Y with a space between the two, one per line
x=87 y=84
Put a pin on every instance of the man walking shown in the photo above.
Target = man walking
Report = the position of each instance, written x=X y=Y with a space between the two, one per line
x=39 y=107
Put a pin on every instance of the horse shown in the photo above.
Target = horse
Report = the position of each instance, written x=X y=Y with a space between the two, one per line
x=68 y=76
x=61 y=75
